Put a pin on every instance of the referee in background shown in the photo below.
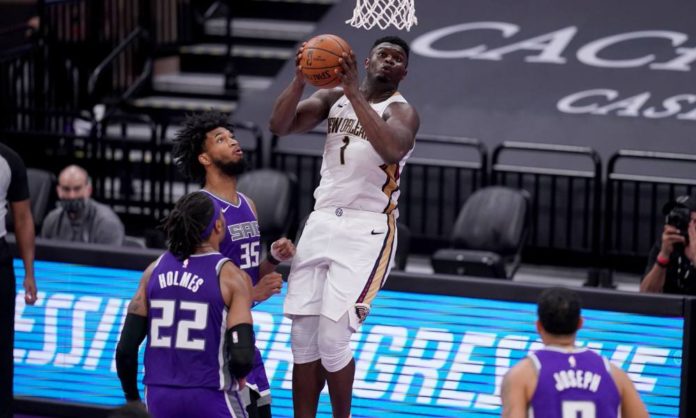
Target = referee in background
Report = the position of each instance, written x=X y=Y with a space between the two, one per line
x=15 y=191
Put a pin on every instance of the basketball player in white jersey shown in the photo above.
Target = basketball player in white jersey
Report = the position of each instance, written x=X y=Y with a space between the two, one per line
x=348 y=244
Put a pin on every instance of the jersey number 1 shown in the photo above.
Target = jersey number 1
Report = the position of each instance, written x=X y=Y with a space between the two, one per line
x=346 y=141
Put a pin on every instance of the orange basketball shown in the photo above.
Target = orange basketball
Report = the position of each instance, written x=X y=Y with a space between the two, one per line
x=319 y=60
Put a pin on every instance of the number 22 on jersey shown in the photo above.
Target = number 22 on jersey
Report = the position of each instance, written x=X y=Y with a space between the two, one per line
x=166 y=320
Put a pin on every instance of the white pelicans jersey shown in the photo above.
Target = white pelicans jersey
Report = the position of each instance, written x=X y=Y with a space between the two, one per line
x=353 y=175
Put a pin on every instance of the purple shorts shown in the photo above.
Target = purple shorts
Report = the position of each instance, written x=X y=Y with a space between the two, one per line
x=177 y=402
x=258 y=381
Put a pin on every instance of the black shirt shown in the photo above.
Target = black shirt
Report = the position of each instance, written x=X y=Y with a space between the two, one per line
x=13 y=182
x=680 y=276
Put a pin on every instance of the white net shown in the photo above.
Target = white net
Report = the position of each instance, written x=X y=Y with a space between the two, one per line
x=383 y=13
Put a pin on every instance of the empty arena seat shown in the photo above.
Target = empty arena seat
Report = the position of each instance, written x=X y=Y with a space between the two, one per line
x=274 y=193
x=488 y=235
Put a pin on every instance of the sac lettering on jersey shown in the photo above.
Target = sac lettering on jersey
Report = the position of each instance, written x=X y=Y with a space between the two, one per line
x=244 y=230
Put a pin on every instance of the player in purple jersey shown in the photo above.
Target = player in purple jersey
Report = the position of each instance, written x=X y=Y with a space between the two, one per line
x=194 y=305
x=206 y=150
x=563 y=381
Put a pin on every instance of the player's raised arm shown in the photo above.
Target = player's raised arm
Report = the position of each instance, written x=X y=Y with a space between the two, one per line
x=290 y=115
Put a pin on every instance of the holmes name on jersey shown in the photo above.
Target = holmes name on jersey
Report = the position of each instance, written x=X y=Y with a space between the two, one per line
x=188 y=280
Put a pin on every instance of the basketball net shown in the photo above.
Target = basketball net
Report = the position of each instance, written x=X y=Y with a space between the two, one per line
x=370 y=13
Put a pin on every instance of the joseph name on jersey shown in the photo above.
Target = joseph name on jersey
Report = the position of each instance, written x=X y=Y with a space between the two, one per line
x=353 y=175
x=573 y=383
x=580 y=379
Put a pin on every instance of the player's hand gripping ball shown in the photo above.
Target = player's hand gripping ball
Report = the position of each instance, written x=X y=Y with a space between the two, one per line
x=319 y=60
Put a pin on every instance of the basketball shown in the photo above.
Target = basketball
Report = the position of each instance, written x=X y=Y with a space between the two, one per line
x=319 y=60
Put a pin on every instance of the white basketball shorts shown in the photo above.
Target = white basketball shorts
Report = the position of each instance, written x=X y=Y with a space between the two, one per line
x=343 y=258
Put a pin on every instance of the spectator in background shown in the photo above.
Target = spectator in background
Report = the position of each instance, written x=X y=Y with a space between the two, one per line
x=78 y=218
x=15 y=190
x=672 y=261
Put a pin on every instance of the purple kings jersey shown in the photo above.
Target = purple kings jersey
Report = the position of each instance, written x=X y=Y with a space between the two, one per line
x=574 y=384
x=242 y=243
x=187 y=320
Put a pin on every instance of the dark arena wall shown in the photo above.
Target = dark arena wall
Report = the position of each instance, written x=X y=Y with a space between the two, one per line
x=607 y=75
x=603 y=92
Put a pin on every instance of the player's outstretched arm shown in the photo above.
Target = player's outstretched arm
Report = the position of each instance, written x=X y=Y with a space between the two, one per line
x=281 y=250
x=290 y=115
x=631 y=404
x=268 y=285
x=515 y=389
x=132 y=335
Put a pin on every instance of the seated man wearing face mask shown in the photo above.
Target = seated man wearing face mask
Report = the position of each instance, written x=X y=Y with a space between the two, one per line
x=79 y=218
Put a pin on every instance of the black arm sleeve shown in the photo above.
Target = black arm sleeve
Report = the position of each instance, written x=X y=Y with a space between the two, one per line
x=239 y=349
x=134 y=331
